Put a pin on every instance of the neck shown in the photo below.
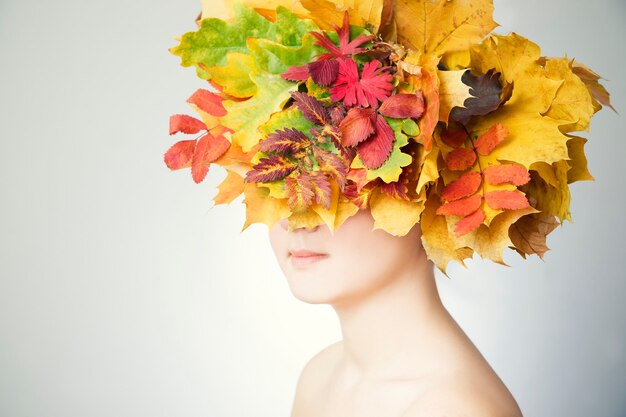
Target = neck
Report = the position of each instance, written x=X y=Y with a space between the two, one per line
x=395 y=324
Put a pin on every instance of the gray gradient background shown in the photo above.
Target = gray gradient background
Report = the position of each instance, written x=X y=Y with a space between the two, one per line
x=123 y=294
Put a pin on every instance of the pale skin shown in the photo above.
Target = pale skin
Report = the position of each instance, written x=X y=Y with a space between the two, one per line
x=402 y=354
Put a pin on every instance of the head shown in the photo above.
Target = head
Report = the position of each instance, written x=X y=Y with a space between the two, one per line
x=352 y=262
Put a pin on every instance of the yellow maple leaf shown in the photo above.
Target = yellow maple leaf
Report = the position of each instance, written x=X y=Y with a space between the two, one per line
x=393 y=215
x=438 y=242
x=365 y=13
x=430 y=170
x=577 y=160
x=550 y=189
x=452 y=92
x=230 y=188
x=533 y=94
x=260 y=208
x=434 y=27
x=573 y=102
x=307 y=219
x=512 y=55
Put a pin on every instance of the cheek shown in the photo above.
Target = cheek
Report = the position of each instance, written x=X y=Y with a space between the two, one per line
x=279 y=241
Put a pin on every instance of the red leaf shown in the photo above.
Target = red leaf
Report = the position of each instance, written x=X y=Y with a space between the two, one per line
x=510 y=200
x=507 y=173
x=311 y=108
x=321 y=188
x=454 y=138
x=359 y=177
x=208 y=102
x=396 y=189
x=470 y=223
x=333 y=165
x=462 y=207
x=208 y=149
x=430 y=118
x=466 y=185
x=357 y=126
x=324 y=72
x=461 y=159
x=300 y=192
x=185 y=124
x=296 y=73
x=400 y=106
x=180 y=154
x=286 y=140
x=374 y=85
x=351 y=192
x=337 y=114
x=345 y=46
x=375 y=151
x=488 y=141
x=271 y=169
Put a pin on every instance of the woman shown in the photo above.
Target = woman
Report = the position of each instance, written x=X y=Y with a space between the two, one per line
x=402 y=354
x=349 y=118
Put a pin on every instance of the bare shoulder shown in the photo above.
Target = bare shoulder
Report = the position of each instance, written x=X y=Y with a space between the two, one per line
x=464 y=398
x=316 y=374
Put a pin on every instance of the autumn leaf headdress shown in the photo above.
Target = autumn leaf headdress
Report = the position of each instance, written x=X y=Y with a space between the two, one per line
x=319 y=108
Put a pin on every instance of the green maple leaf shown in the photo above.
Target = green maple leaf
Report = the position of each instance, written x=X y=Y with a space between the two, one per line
x=244 y=117
x=210 y=45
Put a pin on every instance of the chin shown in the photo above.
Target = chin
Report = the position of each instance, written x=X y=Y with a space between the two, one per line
x=316 y=284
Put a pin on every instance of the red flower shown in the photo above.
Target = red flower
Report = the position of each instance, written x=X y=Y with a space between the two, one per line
x=373 y=86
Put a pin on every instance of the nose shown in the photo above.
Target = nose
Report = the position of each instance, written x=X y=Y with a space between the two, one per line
x=284 y=224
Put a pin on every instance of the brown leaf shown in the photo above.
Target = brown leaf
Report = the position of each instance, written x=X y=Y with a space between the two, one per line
x=529 y=233
x=486 y=96
x=591 y=78
x=466 y=185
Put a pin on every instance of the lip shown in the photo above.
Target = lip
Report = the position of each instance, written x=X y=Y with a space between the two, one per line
x=303 y=258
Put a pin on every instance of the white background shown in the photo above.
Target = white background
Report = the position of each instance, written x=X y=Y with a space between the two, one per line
x=123 y=294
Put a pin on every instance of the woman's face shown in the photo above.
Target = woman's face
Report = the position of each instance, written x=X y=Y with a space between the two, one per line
x=351 y=263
